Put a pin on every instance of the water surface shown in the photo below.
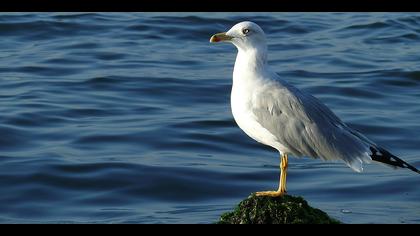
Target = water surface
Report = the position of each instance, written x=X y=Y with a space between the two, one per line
x=125 y=117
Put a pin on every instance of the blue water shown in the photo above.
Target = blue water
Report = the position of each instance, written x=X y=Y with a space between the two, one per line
x=125 y=117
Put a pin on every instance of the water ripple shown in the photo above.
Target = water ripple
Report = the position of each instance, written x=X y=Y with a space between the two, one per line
x=125 y=117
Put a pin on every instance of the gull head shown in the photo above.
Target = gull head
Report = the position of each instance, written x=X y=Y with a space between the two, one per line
x=244 y=35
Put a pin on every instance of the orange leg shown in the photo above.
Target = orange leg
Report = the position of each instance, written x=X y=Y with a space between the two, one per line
x=282 y=183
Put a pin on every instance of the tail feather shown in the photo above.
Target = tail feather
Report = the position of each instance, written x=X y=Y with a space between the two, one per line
x=383 y=156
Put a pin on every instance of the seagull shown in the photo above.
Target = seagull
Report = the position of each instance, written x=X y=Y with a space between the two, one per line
x=277 y=114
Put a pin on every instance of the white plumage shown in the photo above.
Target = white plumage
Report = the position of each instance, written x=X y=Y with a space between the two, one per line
x=275 y=113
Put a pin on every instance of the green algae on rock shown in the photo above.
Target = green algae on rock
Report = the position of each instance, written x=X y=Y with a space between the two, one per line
x=280 y=210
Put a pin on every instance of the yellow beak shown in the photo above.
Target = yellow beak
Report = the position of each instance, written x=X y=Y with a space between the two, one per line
x=220 y=37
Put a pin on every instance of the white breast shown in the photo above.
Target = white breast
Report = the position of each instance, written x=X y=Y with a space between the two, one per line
x=249 y=74
x=241 y=105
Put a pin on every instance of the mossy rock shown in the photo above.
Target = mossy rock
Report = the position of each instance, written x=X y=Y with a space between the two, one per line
x=279 y=210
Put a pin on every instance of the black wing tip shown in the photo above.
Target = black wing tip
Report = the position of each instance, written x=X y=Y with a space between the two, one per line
x=383 y=156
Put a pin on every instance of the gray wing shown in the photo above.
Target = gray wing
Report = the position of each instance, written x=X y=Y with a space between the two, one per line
x=306 y=127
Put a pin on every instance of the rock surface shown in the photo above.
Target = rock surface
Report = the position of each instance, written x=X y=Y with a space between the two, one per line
x=281 y=210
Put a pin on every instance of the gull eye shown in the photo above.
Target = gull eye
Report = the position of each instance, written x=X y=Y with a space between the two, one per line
x=245 y=31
